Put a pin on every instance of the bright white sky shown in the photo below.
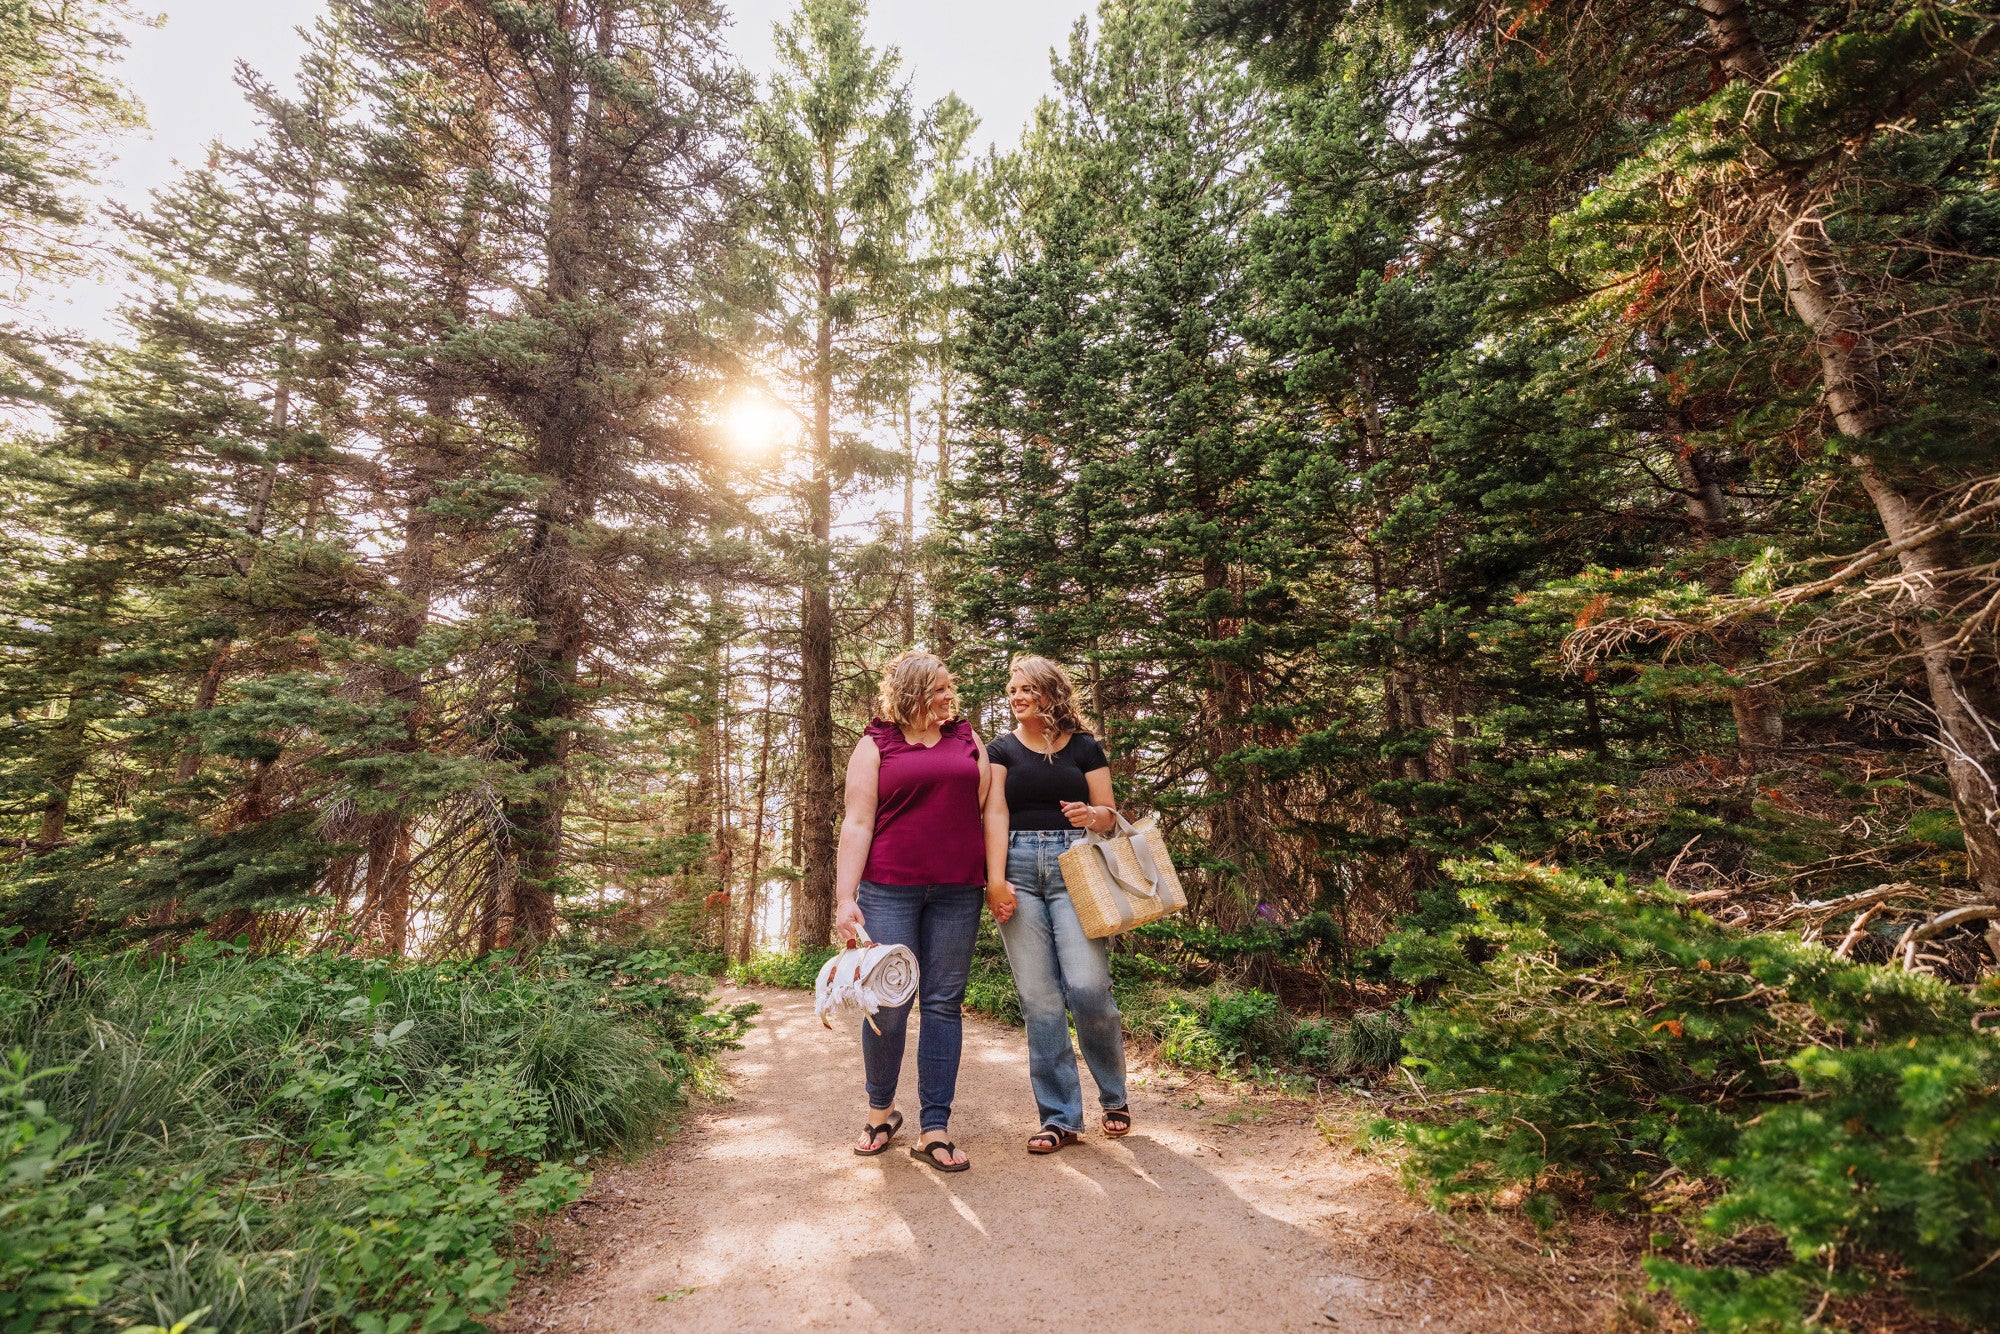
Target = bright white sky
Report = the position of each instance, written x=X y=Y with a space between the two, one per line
x=995 y=56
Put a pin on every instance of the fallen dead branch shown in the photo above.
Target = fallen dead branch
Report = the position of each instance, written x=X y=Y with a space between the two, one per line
x=1825 y=910
x=1919 y=932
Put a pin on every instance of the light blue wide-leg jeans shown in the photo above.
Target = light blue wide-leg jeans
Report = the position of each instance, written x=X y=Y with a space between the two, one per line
x=1060 y=974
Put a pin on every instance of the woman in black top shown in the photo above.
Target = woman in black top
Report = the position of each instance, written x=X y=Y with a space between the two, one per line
x=1056 y=784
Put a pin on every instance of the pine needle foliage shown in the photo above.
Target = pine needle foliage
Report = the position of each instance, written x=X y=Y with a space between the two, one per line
x=1603 y=1039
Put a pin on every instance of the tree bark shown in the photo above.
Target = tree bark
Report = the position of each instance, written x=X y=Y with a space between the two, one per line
x=384 y=919
x=1758 y=712
x=539 y=728
x=818 y=810
x=751 y=887
x=725 y=851
x=908 y=552
x=1702 y=483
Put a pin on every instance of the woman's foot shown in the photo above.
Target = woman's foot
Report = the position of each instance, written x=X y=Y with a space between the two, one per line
x=1050 y=1138
x=881 y=1128
x=1117 y=1121
x=937 y=1149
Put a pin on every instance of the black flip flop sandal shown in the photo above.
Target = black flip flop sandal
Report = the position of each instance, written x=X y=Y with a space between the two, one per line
x=929 y=1153
x=1051 y=1138
x=1122 y=1125
x=884 y=1133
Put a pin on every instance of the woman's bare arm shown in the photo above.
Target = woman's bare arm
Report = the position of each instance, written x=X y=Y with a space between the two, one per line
x=857 y=833
x=1100 y=813
x=999 y=893
x=1100 y=792
x=985 y=767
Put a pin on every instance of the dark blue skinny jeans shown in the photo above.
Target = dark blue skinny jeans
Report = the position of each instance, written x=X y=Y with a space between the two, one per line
x=939 y=923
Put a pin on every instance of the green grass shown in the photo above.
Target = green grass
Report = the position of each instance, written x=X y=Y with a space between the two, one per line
x=314 y=1142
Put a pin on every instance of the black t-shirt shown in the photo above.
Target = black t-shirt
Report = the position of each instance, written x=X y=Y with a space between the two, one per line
x=1037 y=785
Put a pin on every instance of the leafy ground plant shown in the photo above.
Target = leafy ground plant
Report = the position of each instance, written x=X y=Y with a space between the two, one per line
x=316 y=1141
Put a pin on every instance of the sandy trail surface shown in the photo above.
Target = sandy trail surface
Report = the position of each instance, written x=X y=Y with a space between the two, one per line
x=1216 y=1213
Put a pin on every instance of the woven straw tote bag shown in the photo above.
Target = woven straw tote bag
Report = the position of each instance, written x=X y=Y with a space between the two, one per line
x=1121 y=880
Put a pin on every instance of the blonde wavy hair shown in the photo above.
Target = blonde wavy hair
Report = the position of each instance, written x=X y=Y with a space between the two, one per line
x=1055 y=696
x=907 y=682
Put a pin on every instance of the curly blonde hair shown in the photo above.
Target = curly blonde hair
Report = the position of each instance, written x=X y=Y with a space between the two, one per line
x=907 y=682
x=1055 y=696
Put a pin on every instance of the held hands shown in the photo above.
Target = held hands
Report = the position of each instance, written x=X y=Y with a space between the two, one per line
x=1085 y=816
x=1000 y=899
x=848 y=925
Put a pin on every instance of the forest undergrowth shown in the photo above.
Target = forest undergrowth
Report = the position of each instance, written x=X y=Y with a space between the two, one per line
x=216 y=1140
x=1734 y=1063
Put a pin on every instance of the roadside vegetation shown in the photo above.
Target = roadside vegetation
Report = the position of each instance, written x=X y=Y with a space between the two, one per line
x=217 y=1140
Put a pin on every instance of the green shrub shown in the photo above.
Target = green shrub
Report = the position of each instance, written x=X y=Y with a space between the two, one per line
x=797 y=971
x=431 y=1204
x=57 y=1253
x=1892 y=1149
x=1217 y=1030
x=1316 y=1042
x=1371 y=1040
x=1248 y=1025
x=313 y=1141
x=1185 y=1038
x=1605 y=1035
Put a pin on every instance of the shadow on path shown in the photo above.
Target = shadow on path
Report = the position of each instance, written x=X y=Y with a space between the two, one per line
x=758 y=1217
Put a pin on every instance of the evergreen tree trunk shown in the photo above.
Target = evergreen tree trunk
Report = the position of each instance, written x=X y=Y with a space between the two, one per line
x=253 y=534
x=540 y=725
x=539 y=728
x=907 y=553
x=837 y=151
x=751 y=886
x=384 y=919
x=1756 y=709
x=68 y=750
x=818 y=807
x=1233 y=818
x=725 y=851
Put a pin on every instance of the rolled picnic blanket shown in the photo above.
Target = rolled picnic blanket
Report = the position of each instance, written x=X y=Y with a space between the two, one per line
x=861 y=980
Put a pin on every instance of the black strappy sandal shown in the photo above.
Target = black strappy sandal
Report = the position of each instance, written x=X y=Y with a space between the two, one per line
x=1122 y=1125
x=1051 y=1138
x=882 y=1133
x=929 y=1153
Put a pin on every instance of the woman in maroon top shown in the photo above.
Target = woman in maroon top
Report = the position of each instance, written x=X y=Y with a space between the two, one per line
x=916 y=862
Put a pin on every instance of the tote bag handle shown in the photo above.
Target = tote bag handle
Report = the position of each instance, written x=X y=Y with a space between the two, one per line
x=1147 y=866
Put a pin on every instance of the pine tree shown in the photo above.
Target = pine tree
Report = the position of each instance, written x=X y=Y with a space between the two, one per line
x=1798 y=190
x=184 y=512
x=62 y=103
x=1106 y=442
x=837 y=146
x=608 y=123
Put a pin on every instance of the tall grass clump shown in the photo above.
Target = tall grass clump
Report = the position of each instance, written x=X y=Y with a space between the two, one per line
x=314 y=1142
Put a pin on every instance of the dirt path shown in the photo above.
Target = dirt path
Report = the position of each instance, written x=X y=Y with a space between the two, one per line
x=1215 y=1214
